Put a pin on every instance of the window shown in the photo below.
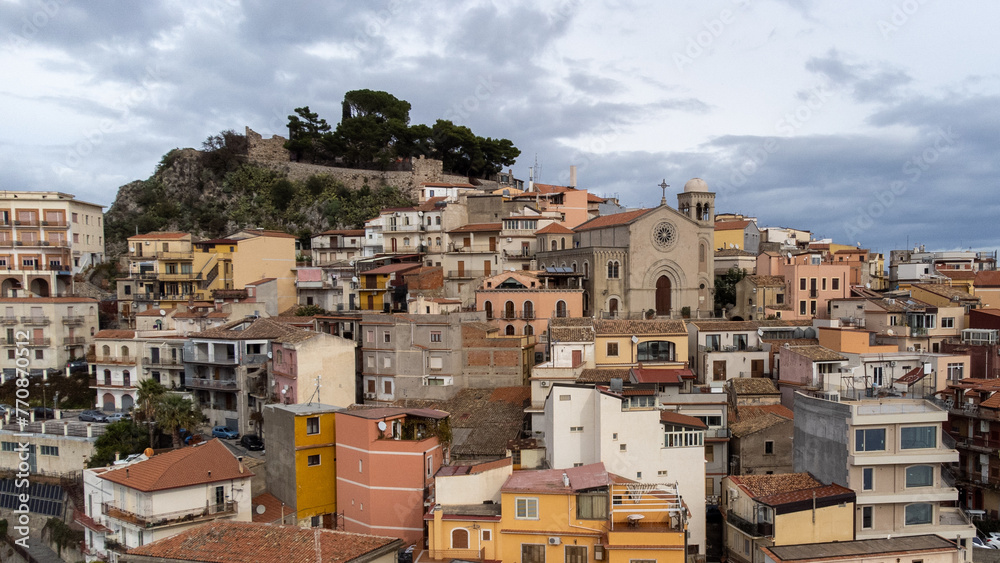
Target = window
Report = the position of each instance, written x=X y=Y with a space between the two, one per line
x=802 y=307
x=532 y=553
x=823 y=284
x=386 y=337
x=576 y=429
x=370 y=336
x=802 y=284
x=740 y=341
x=592 y=506
x=655 y=351
x=869 y=440
x=917 y=476
x=526 y=508
x=955 y=372
x=460 y=538
x=39 y=354
x=50 y=450
x=710 y=419
x=947 y=322
x=623 y=447
x=312 y=460
x=868 y=479
x=576 y=554
x=915 y=437
x=769 y=447
x=877 y=373
x=866 y=517
x=312 y=425
x=713 y=342
x=916 y=514
x=487 y=535
x=435 y=336
x=561 y=308
x=835 y=284
x=613 y=267
x=710 y=453
x=612 y=348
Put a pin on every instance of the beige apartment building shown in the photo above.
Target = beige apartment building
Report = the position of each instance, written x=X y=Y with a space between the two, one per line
x=45 y=238
x=54 y=329
x=891 y=453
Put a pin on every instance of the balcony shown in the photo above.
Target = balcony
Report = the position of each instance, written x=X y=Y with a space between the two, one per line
x=21 y=342
x=474 y=249
x=465 y=274
x=35 y=321
x=186 y=256
x=221 y=384
x=8 y=321
x=162 y=362
x=74 y=320
x=74 y=340
x=107 y=383
x=120 y=360
x=59 y=224
x=31 y=222
x=227 y=508
x=754 y=530
x=461 y=554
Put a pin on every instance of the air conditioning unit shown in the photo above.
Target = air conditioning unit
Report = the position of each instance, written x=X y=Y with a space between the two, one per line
x=370 y=396
x=554 y=541
x=543 y=383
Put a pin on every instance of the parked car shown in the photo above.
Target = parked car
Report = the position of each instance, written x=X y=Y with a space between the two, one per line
x=978 y=542
x=993 y=540
x=43 y=413
x=77 y=365
x=224 y=432
x=93 y=416
x=252 y=442
x=119 y=416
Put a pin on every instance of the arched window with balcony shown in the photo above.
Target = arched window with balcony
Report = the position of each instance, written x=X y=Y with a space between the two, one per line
x=508 y=310
x=529 y=310
x=488 y=307
x=105 y=350
x=126 y=378
x=529 y=330
x=509 y=331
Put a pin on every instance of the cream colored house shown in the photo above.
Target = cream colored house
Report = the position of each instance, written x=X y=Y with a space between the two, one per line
x=140 y=502
x=52 y=329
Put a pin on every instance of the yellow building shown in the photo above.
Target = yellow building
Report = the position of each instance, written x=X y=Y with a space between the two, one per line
x=624 y=343
x=785 y=509
x=301 y=460
x=571 y=515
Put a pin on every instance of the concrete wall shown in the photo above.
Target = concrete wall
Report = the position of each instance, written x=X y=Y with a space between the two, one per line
x=749 y=450
x=821 y=440
x=279 y=431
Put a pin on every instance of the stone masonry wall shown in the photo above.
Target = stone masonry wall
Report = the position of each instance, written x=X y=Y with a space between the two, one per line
x=272 y=153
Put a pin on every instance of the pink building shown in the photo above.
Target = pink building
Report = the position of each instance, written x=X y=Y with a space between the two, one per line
x=522 y=302
x=811 y=282
x=386 y=461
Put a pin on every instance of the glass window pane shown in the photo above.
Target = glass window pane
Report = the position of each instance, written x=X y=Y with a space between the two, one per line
x=918 y=437
x=918 y=514
x=919 y=476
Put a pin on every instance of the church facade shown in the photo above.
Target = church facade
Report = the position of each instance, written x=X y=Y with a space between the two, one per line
x=658 y=259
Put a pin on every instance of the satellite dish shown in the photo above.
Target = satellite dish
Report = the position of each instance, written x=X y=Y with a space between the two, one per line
x=351 y=263
x=789 y=254
x=148 y=452
x=381 y=426
x=635 y=339
x=260 y=509
x=868 y=285
x=269 y=355
x=163 y=313
x=890 y=332
x=354 y=279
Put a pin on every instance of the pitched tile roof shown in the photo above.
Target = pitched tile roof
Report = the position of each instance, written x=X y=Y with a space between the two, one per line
x=159 y=235
x=755 y=424
x=876 y=549
x=226 y=541
x=602 y=375
x=818 y=493
x=639 y=327
x=612 y=220
x=116 y=334
x=816 y=353
x=345 y=232
x=272 y=508
x=48 y=300
x=671 y=417
x=478 y=228
x=208 y=462
x=912 y=376
x=258 y=329
x=943 y=290
x=393 y=268
x=731 y=225
x=753 y=386
x=747 y=412
x=551 y=480
x=668 y=376
x=727 y=252
x=718 y=326
x=554 y=228
x=987 y=278
x=766 y=485
x=767 y=281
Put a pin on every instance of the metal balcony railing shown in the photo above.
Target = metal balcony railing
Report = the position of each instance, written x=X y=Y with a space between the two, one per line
x=223 y=384
x=35 y=321
x=73 y=320
x=167 y=518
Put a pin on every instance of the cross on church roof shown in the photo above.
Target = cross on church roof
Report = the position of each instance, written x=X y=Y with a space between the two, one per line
x=664 y=186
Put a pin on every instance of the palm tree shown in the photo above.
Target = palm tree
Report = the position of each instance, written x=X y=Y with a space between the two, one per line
x=148 y=400
x=175 y=413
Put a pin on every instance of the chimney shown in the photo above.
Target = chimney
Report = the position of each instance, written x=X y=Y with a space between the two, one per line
x=572 y=176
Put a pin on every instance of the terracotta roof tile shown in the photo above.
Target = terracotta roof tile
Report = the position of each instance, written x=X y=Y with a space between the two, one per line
x=943 y=290
x=718 y=326
x=753 y=411
x=755 y=424
x=667 y=376
x=732 y=225
x=209 y=462
x=226 y=541
x=257 y=329
x=272 y=508
x=115 y=334
x=766 y=485
x=160 y=235
x=580 y=478
x=767 y=281
x=988 y=278
x=602 y=375
x=48 y=300
x=753 y=386
x=478 y=228
x=554 y=228
x=611 y=220
x=816 y=353
x=639 y=327
x=671 y=417
x=821 y=492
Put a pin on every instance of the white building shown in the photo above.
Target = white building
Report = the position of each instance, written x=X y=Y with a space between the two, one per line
x=143 y=501
x=633 y=438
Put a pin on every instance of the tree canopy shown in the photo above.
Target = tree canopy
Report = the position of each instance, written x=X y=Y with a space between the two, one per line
x=375 y=132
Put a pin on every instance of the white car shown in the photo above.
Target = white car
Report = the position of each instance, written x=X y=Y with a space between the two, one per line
x=978 y=542
x=993 y=540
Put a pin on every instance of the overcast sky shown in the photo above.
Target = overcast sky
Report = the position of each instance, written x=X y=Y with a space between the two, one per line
x=867 y=122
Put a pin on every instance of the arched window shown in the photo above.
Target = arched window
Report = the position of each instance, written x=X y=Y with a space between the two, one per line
x=428 y=221
x=573 y=266
x=488 y=307
x=508 y=310
x=655 y=351
x=105 y=350
x=124 y=351
x=613 y=307
x=529 y=330
x=613 y=269
x=406 y=241
x=586 y=270
x=437 y=241
x=562 y=243
x=586 y=303
x=554 y=245
x=460 y=538
x=107 y=377
x=560 y=308
x=437 y=220
x=529 y=310
x=126 y=378
x=509 y=331
x=920 y=476
x=701 y=252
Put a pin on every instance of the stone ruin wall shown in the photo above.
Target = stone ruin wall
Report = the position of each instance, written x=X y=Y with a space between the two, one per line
x=272 y=153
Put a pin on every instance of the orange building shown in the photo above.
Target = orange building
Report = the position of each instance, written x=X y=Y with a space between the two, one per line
x=522 y=302
x=386 y=461
x=811 y=282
